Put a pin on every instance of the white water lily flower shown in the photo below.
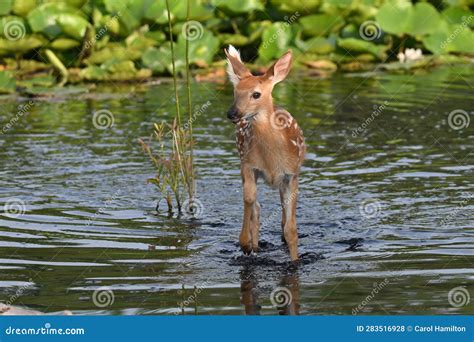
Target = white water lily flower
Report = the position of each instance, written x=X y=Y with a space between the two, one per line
x=410 y=55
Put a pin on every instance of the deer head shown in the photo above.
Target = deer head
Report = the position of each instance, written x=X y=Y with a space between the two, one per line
x=253 y=94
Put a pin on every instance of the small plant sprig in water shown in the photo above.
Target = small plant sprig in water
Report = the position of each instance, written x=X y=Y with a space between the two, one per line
x=174 y=159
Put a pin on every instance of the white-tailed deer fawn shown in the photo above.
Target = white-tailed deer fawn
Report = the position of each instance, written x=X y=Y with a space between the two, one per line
x=270 y=143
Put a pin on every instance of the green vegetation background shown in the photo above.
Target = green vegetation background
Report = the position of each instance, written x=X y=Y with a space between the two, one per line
x=122 y=40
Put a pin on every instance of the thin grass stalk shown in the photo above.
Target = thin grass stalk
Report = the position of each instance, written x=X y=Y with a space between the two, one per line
x=175 y=83
x=190 y=179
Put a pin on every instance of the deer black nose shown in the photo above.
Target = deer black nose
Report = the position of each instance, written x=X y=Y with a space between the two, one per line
x=232 y=113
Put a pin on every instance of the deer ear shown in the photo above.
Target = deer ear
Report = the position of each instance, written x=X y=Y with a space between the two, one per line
x=235 y=68
x=280 y=69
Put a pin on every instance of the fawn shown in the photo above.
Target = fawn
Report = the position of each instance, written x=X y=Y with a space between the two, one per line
x=270 y=144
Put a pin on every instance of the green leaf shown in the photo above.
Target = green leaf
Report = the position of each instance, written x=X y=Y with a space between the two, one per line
x=93 y=73
x=72 y=25
x=7 y=82
x=462 y=40
x=158 y=60
x=113 y=50
x=404 y=18
x=276 y=40
x=424 y=19
x=456 y=15
x=321 y=24
x=137 y=40
x=201 y=49
x=20 y=46
x=44 y=19
x=12 y=27
x=23 y=7
x=63 y=44
x=318 y=45
x=234 y=39
x=5 y=7
x=301 y=6
x=355 y=46
x=239 y=6
x=394 y=18
x=41 y=81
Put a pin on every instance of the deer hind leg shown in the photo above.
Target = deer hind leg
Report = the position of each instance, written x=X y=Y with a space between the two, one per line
x=290 y=193
x=255 y=225
x=250 y=198
x=283 y=215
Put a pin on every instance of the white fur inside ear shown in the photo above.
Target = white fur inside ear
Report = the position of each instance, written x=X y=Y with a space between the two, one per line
x=234 y=52
x=230 y=70
x=232 y=76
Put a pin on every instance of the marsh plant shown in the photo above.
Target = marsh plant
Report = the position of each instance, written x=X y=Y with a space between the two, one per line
x=173 y=159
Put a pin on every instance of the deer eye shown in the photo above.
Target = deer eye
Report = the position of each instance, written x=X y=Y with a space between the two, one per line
x=256 y=95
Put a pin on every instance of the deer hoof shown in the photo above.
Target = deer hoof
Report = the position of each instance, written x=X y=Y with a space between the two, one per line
x=247 y=249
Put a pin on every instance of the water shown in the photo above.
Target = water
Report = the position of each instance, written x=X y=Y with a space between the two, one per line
x=90 y=241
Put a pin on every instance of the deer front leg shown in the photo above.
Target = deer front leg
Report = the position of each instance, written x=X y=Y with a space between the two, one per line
x=283 y=215
x=250 y=197
x=255 y=225
x=290 y=194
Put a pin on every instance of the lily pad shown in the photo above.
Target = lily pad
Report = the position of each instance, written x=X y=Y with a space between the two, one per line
x=41 y=81
x=7 y=82
x=404 y=18
x=301 y=6
x=355 y=46
x=20 y=46
x=5 y=7
x=45 y=19
x=201 y=49
x=239 y=6
x=321 y=24
x=23 y=7
x=317 y=45
x=158 y=60
x=63 y=44
x=276 y=40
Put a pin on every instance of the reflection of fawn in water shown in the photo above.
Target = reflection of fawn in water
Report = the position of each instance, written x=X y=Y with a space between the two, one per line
x=289 y=287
